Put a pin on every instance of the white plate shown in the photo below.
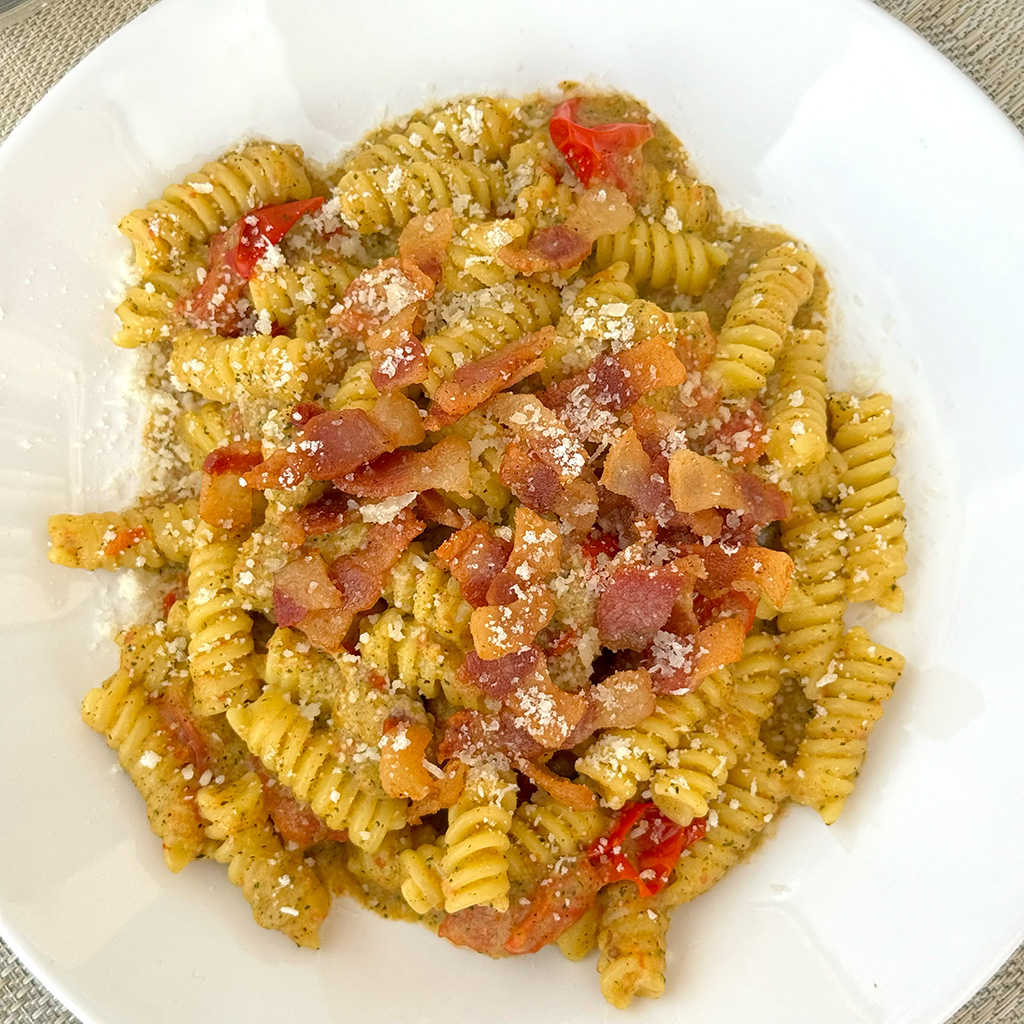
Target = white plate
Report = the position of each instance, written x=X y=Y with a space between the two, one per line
x=822 y=115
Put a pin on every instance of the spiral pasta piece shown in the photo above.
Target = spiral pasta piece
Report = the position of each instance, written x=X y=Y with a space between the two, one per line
x=421 y=884
x=355 y=389
x=121 y=711
x=284 y=892
x=471 y=260
x=631 y=936
x=220 y=646
x=404 y=651
x=748 y=801
x=482 y=128
x=797 y=419
x=659 y=258
x=488 y=496
x=679 y=202
x=620 y=759
x=304 y=673
x=147 y=535
x=870 y=504
x=384 y=197
x=813 y=484
x=420 y=587
x=147 y=312
x=506 y=313
x=759 y=316
x=474 y=868
x=811 y=623
x=693 y=774
x=850 y=702
x=581 y=936
x=260 y=174
x=541 y=197
x=280 y=368
x=755 y=680
x=204 y=429
x=544 y=829
x=281 y=294
x=302 y=756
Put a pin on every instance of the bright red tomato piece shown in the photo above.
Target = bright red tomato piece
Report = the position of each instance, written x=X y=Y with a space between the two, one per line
x=643 y=847
x=265 y=227
x=602 y=152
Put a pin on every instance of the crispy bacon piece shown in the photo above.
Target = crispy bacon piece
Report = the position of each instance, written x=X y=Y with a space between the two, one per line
x=696 y=342
x=572 y=794
x=295 y=821
x=698 y=483
x=678 y=663
x=763 y=503
x=443 y=467
x=403 y=753
x=622 y=700
x=335 y=443
x=303 y=586
x=536 y=555
x=376 y=295
x=630 y=471
x=431 y=507
x=506 y=629
x=636 y=604
x=474 y=556
x=539 y=428
x=223 y=499
x=601 y=210
x=446 y=790
x=424 y=241
x=499 y=677
x=184 y=733
x=323 y=600
x=741 y=436
x=725 y=568
x=550 y=250
x=475 y=382
x=328 y=514
x=217 y=303
x=553 y=905
x=480 y=928
x=522 y=683
x=530 y=478
x=476 y=733
x=615 y=382
x=397 y=356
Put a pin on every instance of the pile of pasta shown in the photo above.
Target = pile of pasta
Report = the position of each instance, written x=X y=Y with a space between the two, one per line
x=505 y=531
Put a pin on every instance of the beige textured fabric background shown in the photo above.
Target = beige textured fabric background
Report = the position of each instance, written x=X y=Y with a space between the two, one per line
x=985 y=38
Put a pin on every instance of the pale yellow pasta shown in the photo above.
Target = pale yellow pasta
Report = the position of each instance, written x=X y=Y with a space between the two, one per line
x=302 y=756
x=850 y=701
x=544 y=830
x=620 y=759
x=870 y=504
x=631 y=936
x=284 y=892
x=659 y=258
x=474 y=868
x=421 y=884
x=125 y=711
x=759 y=316
x=797 y=419
x=256 y=366
x=220 y=645
x=149 y=536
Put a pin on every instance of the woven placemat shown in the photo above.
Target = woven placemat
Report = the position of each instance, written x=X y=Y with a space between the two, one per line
x=984 y=38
